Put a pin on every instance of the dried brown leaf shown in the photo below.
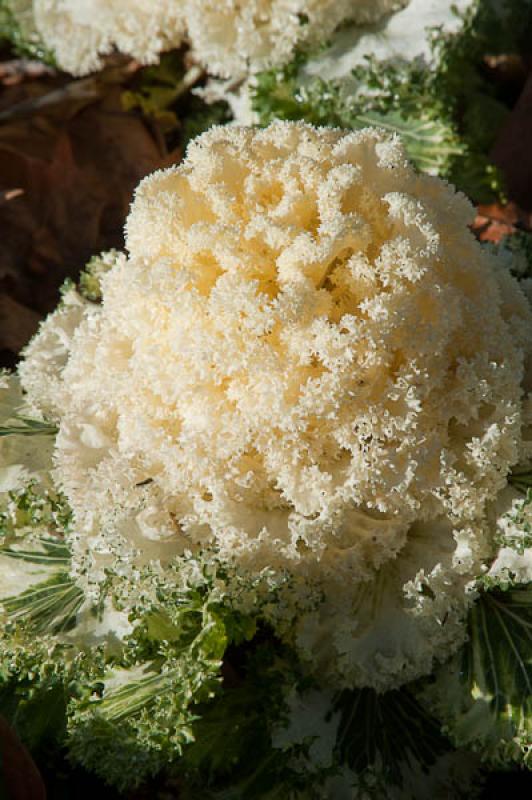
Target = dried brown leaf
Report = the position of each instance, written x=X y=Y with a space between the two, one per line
x=70 y=158
x=21 y=778
x=512 y=152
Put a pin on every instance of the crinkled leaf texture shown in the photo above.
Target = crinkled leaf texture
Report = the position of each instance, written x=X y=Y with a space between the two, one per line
x=402 y=602
x=230 y=40
x=284 y=415
x=430 y=141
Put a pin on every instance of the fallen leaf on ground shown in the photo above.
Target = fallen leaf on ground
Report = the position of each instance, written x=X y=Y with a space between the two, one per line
x=21 y=69
x=512 y=152
x=491 y=230
x=70 y=158
x=17 y=324
x=495 y=221
x=20 y=779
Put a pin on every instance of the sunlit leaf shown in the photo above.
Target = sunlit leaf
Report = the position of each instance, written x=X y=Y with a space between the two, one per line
x=485 y=694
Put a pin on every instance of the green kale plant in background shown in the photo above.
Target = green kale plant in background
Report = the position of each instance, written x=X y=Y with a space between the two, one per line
x=17 y=27
x=447 y=111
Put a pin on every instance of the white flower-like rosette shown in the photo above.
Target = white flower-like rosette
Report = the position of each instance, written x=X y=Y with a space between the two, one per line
x=308 y=365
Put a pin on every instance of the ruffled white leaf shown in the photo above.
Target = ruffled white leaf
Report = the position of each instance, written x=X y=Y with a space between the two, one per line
x=403 y=36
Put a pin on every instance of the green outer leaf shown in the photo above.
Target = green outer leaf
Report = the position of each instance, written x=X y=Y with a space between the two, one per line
x=49 y=552
x=90 y=279
x=28 y=427
x=390 y=728
x=47 y=607
x=485 y=694
x=521 y=479
x=39 y=719
x=51 y=601
x=17 y=25
x=429 y=143
x=144 y=710
x=499 y=659
x=231 y=757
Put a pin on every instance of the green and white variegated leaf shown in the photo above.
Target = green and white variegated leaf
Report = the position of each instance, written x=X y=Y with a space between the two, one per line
x=430 y=143
x=513 y=560
x=17 y=25
x=49 y=607
x=430 y=140
x=368 y=734
x=30 y=561
x=484 y=694
x=24 y=426
x=13 y=420
x=146 y=705
x=34 y=518
x=25 y=443
x=373 y=747
x=35 y=586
